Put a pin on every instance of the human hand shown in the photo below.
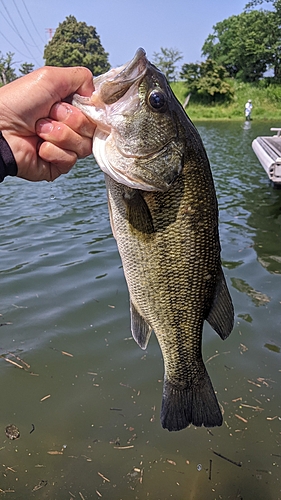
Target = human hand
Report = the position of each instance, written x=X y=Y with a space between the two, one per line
x=46 y=135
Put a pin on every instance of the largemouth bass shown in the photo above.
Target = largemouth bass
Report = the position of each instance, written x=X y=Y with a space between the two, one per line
x=164 y=216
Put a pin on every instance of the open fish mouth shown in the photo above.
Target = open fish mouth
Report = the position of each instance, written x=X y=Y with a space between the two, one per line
x=111 y=89
x=112 y=85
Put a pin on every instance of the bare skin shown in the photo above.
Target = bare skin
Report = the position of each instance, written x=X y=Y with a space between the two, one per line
x=46 y=135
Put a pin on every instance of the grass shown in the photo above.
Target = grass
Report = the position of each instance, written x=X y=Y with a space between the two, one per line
x=265 y=97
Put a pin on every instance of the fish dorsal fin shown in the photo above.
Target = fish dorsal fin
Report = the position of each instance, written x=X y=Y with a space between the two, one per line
x=221 y=314
x=141 y=330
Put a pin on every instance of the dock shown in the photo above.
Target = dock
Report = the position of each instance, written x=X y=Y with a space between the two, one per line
x=268 y=152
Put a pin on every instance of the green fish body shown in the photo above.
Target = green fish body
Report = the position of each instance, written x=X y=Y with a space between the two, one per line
x=164 y=216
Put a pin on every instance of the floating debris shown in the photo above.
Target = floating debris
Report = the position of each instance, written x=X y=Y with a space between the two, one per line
x=12 y=431
x=264 y=381
x=32 y=429
x=23 y=364
x=103 y=477
x=241 y=418
x=254 y=383
x=210 y=470
x=45 y=397
x=65 y=353
x=40 y=485
x=238 y=464
x=124 y=447
x=257 y=408
x=13 y=362
x=171 y=462
x=19 y=359
x=212 y=357
x=217 y=354
x=243 y=348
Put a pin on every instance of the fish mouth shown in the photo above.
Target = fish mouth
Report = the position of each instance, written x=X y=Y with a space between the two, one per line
x=112 y=88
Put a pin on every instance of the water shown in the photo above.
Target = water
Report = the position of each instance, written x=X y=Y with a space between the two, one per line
x=86 y=399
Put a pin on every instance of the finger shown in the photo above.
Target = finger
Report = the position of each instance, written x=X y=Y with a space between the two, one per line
x=73 y=118
x=62 y=160
x=63 y=137
x=80 y=81
x=70 y=80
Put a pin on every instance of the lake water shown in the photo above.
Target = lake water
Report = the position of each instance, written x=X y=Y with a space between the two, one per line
x=84 y=396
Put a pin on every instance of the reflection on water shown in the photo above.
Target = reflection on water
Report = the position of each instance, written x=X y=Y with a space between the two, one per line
x=247 y=125
x=85 y=398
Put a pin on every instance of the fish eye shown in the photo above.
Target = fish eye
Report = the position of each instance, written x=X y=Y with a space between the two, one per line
x=156 y=99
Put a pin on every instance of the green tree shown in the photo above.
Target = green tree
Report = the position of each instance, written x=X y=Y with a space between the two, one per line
x=76 y=44
x=166 y=60
x=274 y=33
x=245 y=44
x=26 y=68
x=7 y=73
x=206 y=81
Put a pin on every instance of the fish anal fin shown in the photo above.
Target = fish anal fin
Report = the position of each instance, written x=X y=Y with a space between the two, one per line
x=195 y=404
x=221 y=314
x=141 y=330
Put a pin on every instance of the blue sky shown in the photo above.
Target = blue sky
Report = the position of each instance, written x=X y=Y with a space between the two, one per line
x=123 y=25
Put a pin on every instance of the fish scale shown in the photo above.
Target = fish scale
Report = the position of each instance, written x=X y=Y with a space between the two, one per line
x=164 y=216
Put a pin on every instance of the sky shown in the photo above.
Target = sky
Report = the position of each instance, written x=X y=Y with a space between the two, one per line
x=122 y=25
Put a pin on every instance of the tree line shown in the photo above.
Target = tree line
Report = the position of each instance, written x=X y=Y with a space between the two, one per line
x=242 y=47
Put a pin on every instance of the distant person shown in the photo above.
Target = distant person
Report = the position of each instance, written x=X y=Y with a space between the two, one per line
x=248 y=110
x=41 y=137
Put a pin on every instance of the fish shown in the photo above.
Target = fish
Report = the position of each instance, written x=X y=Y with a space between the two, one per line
x=164 y=216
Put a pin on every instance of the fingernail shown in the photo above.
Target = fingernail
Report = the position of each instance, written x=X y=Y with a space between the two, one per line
x=60 y=111
x=44 y=127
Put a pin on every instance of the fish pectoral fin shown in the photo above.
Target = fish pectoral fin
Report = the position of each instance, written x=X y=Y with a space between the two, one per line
x=141 y=330
x=221 y=314
x=138 y=213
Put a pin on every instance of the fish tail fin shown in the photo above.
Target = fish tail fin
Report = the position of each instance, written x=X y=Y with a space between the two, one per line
x=196 y=404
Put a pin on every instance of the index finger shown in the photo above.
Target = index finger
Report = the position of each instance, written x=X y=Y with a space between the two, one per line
x=67 y=81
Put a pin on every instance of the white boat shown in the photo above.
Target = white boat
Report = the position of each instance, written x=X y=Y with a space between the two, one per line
x=268 y=152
